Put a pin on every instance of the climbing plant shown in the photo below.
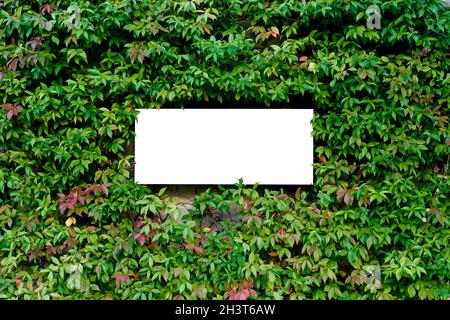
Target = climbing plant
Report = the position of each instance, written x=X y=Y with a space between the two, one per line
x=74 y=225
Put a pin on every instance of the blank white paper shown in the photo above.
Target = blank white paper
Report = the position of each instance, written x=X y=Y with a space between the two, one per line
x=219 y=146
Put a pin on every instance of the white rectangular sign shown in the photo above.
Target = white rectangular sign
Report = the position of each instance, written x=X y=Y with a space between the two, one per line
x=219 y=146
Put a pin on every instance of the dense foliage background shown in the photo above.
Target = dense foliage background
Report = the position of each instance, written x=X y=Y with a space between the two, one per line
x=74 y=225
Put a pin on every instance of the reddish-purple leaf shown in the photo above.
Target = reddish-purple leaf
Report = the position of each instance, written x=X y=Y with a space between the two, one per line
x=32 y=256
x=10 y=114
x=36 y=42
x=142 y=240
x=72 y=232
x=105 y=188
x=51 y=249
x=72 y=242
x=347 y=197
x=12 y=64
x=316 y=210
x=303 y=58
x=282 y=232
x=198 y=250
x=121 y=278
x=46 y=8
x=242 y=296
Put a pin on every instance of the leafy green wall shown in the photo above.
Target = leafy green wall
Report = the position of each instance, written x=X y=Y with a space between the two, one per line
x=74 y=225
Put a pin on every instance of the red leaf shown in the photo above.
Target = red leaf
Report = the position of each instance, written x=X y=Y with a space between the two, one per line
x=303 y=58
x=139 y=224
x=10 y=114
x=46 y=8
x=72 y=242
x=311 y=251
x=340 y=194
x=121 y=278
x=274 y=34
x=347 y=197
x=242 y=296
x=322 y=159
x=51 y=249
x=12 y=64
x=72 y=232
x=316 y=210
x=32 y=256
x=152 y=246
x=36 y=42
x=104 y=188
x=198 y=250
x=282 y=232
x=207 y=30
x=141 y=240
x=18 y=280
